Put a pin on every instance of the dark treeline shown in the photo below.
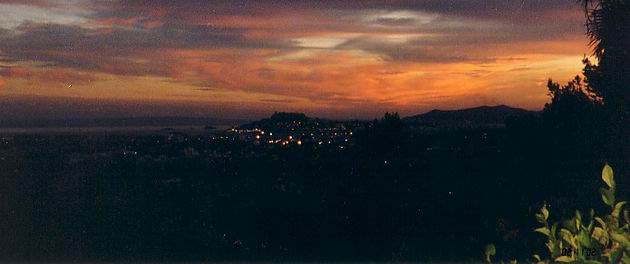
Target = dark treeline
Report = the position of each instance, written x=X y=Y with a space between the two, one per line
x=391 y=195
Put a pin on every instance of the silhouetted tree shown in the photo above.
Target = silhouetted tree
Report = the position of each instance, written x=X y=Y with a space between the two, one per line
x=384 y=135
x=595 y=110
x=389 y=130
x=571 y=118
x=608 y=27
x=576 y=93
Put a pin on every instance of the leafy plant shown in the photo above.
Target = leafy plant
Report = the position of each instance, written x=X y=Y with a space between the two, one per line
x=598 y=239
x=490 y=251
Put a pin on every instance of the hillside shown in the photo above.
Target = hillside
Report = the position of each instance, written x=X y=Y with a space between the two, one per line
x=483 y=116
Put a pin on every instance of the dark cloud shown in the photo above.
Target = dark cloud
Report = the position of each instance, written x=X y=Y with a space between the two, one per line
x=280 y=101
x=418 y=52
x=119 y=51
x=433 y=5
x=478 y=9
x=207 y=89
x=122 y=40
x=521 y=69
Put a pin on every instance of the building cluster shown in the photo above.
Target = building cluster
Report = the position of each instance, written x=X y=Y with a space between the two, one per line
x=296 y=133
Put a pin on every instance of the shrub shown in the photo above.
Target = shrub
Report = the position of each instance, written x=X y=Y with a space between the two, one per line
x=598 y=239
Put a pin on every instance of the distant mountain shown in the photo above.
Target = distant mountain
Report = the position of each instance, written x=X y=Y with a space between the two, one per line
x=483 y=116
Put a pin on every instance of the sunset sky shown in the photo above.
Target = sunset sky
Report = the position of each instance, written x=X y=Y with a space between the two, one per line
x=246 y=59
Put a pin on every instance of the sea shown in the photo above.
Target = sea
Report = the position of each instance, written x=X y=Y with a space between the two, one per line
x=126 y=130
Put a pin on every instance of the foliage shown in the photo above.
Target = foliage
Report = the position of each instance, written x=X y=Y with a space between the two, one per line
x=596 y=239
x=572 y=121
x=608 y=28
x=601 y=98
x=605 y=23
x=576 y=88
x=571 y=101
x=385 y=135
x=491 y=250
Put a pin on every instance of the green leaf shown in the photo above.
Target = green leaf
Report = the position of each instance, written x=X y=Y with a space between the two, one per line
x=550 y=247
x=564 y=259
x=554 y=227
x=621 y=239
x=536 y=257
x=567 y=236
x=608 y=177
x=608 y=197
x=578 y=220
x=491 y=250
x=543 y=230
x=578 y=216
x=544 y=211
x=584 y=239
x=600 y=235
x=617 y=210
x=540 y=218
x=601 y=222
x=570 y=225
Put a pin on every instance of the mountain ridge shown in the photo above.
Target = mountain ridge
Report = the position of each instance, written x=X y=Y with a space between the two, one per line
x=480 y=116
